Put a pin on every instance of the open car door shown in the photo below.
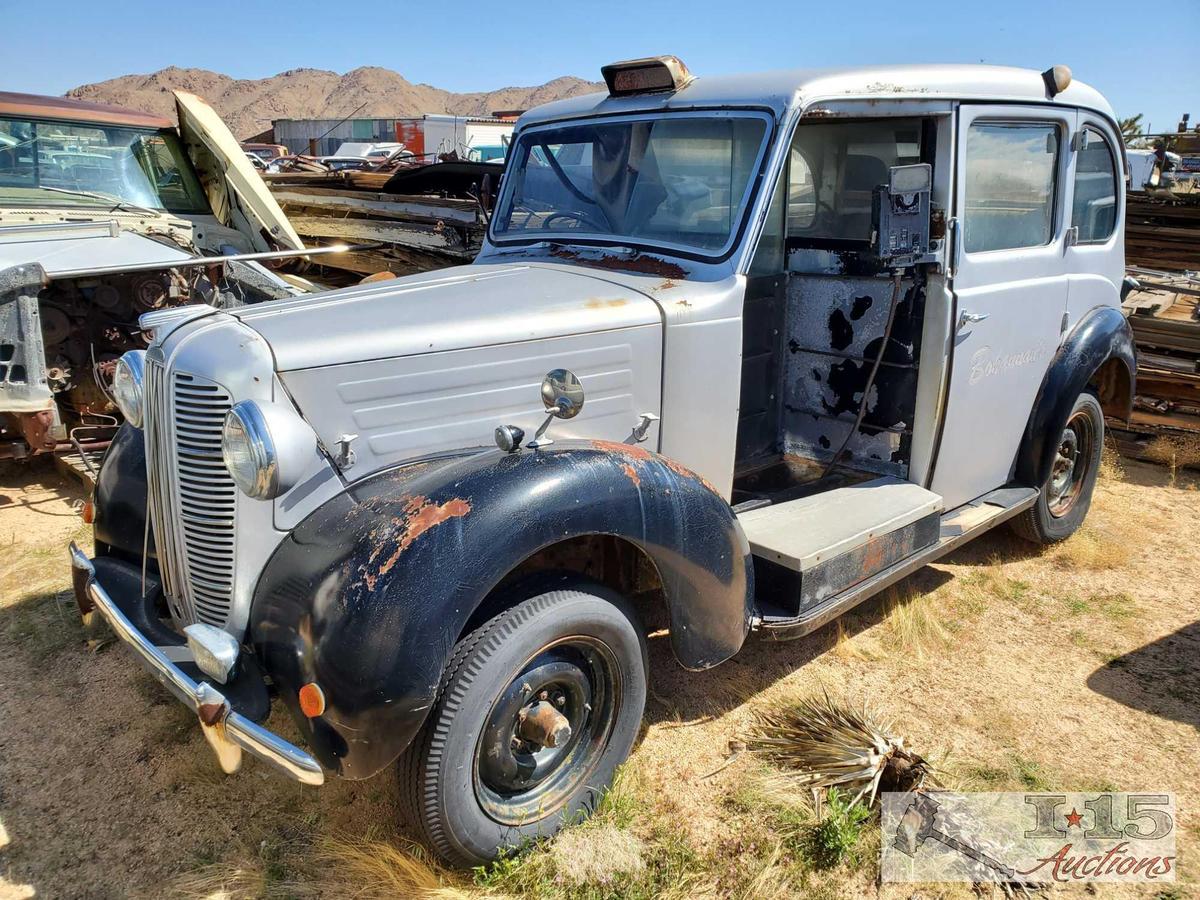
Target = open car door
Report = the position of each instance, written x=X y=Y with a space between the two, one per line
x=238 y=196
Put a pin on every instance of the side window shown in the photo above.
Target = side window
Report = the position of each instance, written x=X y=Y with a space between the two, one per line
x=1094 y=209
x=1010 y=185
x=835 y=167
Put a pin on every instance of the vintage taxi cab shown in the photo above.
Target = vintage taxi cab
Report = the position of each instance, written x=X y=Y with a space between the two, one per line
x=753 y=348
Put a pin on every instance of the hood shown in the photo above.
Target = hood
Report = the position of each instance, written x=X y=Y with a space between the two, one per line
x=451 y=309
x=239 y=197
x=83 y=245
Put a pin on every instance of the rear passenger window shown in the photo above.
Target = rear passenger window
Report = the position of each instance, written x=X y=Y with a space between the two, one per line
x=1010 y=183
x=1094 y=209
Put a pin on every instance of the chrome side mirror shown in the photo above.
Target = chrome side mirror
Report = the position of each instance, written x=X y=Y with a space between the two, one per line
x=562 y=394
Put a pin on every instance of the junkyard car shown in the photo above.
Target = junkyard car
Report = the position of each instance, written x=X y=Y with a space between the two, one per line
x=95 y=202
x=753 y=348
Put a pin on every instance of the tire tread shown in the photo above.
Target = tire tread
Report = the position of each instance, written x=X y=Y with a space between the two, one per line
x=419 y=764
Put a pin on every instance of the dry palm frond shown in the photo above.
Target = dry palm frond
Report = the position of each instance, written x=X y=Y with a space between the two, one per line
x=829 y=744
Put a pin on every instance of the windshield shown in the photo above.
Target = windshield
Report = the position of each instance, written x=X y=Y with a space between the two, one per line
x=49 y=163
x=676 y=180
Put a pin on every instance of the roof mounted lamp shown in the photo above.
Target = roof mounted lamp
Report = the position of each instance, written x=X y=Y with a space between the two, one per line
x=653 y=74
x=1057 y=79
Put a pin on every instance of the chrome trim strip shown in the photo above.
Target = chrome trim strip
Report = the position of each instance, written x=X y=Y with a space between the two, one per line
x=269 y=747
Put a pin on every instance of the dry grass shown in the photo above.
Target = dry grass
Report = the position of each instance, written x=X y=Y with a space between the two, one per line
x=1011 y=638
x=1092 y=549
x=848 y=648
x=915 y=620
x=221 y=882
x=1175 y=451
x=599 y=855
x=380 y=870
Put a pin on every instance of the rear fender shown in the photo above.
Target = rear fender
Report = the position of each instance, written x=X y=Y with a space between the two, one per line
x=369 y=594
x=1102 y=337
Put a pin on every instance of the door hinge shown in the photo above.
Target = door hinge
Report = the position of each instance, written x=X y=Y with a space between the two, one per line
x=954 y=231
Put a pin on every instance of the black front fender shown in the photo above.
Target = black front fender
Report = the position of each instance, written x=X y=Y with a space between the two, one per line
x=1102 y=335
x=120 y=498
x=369 y=594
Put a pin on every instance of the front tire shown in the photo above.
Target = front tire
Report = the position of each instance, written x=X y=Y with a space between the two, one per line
x=538 y=707
x=1066 y=497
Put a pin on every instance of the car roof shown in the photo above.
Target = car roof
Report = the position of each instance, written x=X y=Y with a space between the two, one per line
x=785 y=89
x=36 y=106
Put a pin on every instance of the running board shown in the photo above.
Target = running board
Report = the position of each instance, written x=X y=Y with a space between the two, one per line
x=957 y=528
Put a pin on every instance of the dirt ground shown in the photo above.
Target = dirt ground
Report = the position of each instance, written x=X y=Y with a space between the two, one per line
x=1073 y=668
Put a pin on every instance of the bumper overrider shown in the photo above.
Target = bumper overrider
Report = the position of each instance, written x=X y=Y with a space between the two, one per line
x=228 y=731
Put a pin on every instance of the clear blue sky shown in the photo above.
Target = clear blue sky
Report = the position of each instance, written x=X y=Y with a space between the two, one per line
x=1142 y=56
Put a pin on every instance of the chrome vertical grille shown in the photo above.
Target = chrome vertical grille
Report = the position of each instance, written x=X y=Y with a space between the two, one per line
x=193 y=499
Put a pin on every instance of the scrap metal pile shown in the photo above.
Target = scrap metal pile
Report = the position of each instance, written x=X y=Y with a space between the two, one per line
x=422 y=216
x=1162 y=231
x=1165 y=316
x=1162 y=252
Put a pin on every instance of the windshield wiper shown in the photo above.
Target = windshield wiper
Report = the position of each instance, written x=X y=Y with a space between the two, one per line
x=547 y=243
x=117 y=202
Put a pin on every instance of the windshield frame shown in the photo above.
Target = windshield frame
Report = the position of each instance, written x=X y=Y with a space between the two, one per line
x=687 y=251
x=176 y=149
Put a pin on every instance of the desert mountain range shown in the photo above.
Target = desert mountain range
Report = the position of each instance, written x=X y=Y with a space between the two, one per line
x=249 y=104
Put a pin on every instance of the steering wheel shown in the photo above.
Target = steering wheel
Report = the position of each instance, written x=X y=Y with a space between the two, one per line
x=580 y=217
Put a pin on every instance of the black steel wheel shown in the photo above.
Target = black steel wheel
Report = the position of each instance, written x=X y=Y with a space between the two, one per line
x=1067 y=495
x=538 y=707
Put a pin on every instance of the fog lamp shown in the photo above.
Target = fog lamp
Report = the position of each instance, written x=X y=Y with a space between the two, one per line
x=215 y=651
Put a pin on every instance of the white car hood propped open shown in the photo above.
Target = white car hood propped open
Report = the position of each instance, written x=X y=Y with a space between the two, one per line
x=238 y=196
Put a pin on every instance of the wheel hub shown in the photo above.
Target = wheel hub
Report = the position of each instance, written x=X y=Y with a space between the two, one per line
x=543 y=725
x=1071 y=465
x=545 y=732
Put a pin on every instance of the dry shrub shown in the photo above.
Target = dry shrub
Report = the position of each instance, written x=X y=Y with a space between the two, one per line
x=224 y=882
x=772 y=882
x=1090 y=549
x=846 y=647
x=914 y=618
x=1176 y=450
x=597 y=855
x=1111 y=467
x=824 y=743
x=371 y=869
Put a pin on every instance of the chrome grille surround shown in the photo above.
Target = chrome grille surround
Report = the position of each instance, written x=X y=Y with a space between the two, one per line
x=193 y=501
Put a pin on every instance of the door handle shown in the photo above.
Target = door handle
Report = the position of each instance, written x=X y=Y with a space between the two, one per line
x=968 y=318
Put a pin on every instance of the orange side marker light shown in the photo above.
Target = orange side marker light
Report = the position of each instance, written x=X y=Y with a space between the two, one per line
x=312 y=700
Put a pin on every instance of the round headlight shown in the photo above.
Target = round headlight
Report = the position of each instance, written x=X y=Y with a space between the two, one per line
x=127 y=385
x=266 y=448
x=248 y=451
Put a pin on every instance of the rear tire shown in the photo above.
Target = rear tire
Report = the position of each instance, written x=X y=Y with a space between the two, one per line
x=474 y=780
x=1066 y=497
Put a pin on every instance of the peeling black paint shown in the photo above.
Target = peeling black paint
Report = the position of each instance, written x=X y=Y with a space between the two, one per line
x=1102 y=334
x=841 y=332
x=860 y=307
x=360 y=600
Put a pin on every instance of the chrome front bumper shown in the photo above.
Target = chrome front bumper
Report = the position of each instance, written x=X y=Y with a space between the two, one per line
x=229 y=732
